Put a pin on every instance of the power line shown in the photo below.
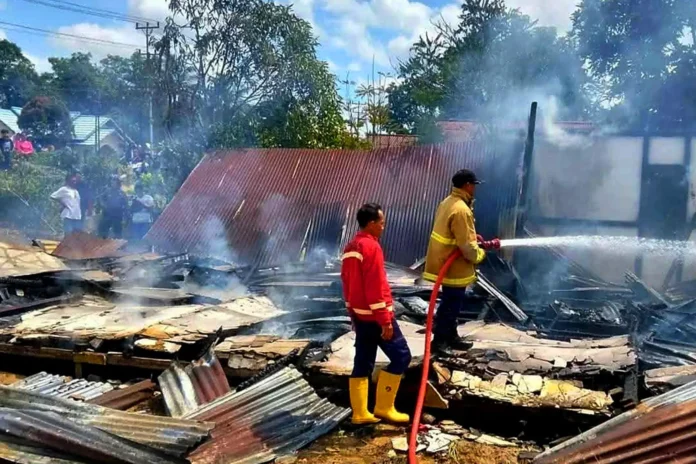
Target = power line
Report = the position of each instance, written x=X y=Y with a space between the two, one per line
x=34 y=30
x=88 y=10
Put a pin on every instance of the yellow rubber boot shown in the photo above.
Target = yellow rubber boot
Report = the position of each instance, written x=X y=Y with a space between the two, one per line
x=359 y=389
x=387 y=388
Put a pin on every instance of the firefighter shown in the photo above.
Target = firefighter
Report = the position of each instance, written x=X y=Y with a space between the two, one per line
x=454 y=227
x=369 y=301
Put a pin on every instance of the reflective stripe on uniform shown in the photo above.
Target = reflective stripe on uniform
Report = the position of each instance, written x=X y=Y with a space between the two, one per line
x=352 y=254
x=381 y=305
x=444 y=240
x=364 y=312
x=453 y=282
x=390 y=309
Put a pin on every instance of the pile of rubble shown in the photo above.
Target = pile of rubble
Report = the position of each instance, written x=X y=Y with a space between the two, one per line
x=245 y=359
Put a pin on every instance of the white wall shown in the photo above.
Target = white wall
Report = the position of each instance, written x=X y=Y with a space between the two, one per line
x=598 y=180
x=601 y=180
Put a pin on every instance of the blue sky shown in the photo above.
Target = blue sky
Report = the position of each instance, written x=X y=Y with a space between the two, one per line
x=352 y=33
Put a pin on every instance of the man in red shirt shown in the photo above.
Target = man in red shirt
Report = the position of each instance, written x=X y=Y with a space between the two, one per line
x=369 y=302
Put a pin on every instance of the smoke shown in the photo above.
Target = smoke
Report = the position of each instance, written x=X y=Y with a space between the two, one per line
x=553 y=132
x=215 y=244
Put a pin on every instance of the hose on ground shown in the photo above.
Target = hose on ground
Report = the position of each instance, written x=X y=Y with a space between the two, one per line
x=413 y=441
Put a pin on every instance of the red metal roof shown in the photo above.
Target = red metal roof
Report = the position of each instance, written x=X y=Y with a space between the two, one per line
x=659 y=430
x=460 y=131
x=266 y=206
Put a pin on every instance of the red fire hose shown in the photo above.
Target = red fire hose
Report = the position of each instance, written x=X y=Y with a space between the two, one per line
x=413 y=442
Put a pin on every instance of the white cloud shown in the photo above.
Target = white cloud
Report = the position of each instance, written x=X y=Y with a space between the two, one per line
x=401 y=15
x=354 y=66
x=149 y=9
x=3 y=35
x=41 y=64
x=400 y=46
x=356 y=40
x=554 y=13
x=118 y=35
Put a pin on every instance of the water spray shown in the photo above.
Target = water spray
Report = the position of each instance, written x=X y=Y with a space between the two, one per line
x=606 y=244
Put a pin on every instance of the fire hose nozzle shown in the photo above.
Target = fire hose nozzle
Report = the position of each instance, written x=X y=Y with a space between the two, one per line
x=493 y=244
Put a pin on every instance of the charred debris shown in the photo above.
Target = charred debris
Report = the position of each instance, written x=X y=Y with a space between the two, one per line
x=98 y=330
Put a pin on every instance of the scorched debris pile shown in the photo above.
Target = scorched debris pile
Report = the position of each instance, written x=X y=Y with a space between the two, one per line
x=251 y=363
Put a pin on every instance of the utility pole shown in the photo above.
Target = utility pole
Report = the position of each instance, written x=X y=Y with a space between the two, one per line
x=148 y=28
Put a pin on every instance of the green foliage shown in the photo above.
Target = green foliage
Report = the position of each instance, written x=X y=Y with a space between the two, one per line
x=124 y=92
x=178 y=160
x=249 y=72
x=24 y=196
x=18 y=78
x=642 y=52
x=78 y=81
x=47 y=121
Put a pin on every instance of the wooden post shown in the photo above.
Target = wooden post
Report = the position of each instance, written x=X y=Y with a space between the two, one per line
x=523 y=202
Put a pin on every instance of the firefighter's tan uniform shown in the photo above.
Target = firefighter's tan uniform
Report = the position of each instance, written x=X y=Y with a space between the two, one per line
x=454 y=227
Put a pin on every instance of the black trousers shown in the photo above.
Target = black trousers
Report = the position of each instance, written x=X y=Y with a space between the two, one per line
x=368 y=337
x=110 y=223
x=452 y=303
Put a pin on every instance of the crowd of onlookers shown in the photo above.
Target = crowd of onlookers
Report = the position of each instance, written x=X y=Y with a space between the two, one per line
x=120 y=215
x=118 y=212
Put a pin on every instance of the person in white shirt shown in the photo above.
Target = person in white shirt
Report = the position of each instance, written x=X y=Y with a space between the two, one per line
x=69 y=199
x=141 y=213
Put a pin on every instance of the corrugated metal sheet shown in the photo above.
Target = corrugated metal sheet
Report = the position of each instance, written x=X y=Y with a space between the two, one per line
x=63 y=387
x=186 y=388
x=124 y=398
x=9 y=118
x=273 y=206
x=91 y=140
x=173 y=436
x=56 y=432
x=272 y=418
x=659 y=430
x=85 y=125
x=18 y=451
x=81 y=245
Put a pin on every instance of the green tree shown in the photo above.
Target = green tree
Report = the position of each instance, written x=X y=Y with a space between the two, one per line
x=248 y=73
x=124 y=91
x=18 y=78
x=77 y=81
x=46 y=120
x=643 y=53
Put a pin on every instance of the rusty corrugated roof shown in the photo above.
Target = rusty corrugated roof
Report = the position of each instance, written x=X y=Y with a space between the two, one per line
x=124 y=398
x=81 y=245
x=186 y=388
x=272 y=418
x=659 y=430
x=62 y=386
x=463 y=130
x=173 y=436
x=56 y=432
x=268 y=206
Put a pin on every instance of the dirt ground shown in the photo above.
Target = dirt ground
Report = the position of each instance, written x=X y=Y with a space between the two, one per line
x=347 y=447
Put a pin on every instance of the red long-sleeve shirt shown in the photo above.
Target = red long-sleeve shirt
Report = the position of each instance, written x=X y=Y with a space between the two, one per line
x=365 y=286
